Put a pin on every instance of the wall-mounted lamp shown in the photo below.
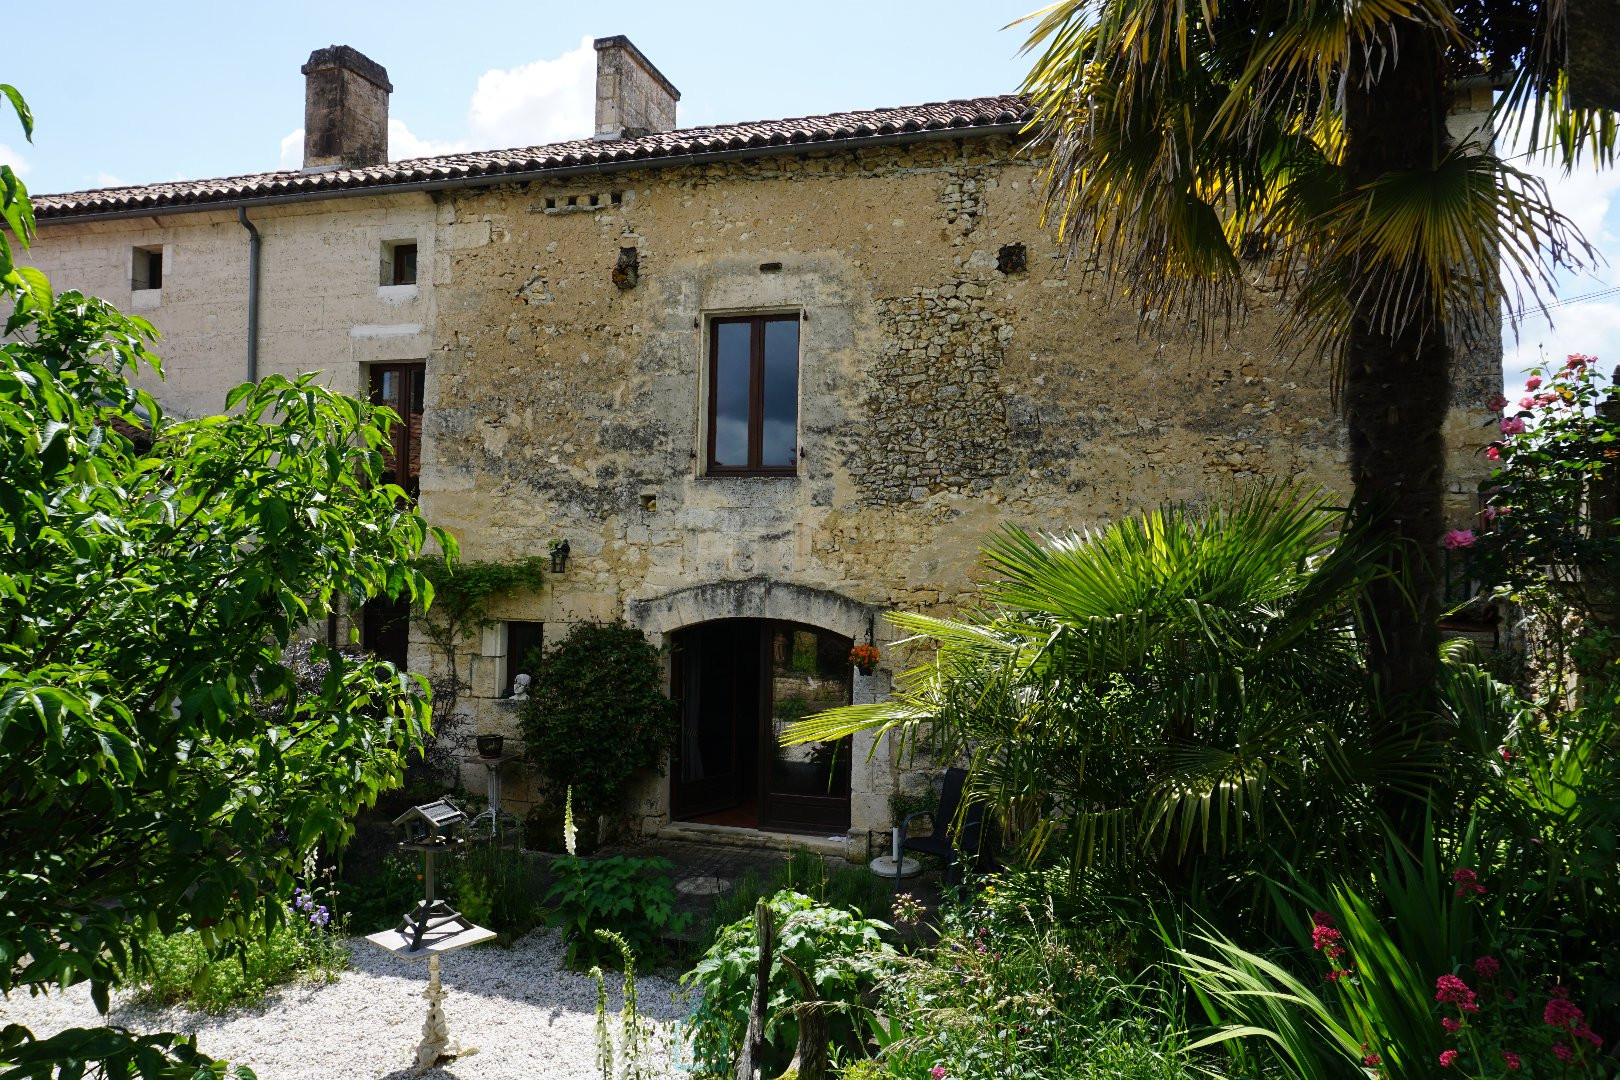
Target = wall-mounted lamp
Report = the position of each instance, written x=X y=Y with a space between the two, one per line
x=559 y=556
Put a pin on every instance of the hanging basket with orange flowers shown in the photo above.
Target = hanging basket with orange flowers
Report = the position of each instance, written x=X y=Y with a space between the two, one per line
x=865 y=657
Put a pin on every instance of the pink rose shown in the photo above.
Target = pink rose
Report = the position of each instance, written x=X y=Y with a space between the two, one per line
x=1493 y=452
x=1533 y=382
x=1496 y=402
x=1527 y=402
x=1458 y=538
x=1513 y=425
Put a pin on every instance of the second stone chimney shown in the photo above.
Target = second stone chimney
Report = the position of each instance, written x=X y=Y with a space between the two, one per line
x=345 y=109
x=632 y=97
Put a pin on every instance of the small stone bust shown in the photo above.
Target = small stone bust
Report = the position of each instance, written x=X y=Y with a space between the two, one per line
x=520 y=688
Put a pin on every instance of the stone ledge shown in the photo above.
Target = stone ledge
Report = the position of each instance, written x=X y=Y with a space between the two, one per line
x=693 y=832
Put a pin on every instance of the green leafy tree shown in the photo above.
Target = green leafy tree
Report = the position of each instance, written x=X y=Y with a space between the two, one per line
x=160 y=769
x=1194 y=147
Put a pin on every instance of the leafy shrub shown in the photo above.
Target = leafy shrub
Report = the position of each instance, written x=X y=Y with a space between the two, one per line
x=852 y=888
x=844 y=954
x=631 y=897
x=379 y=899
x=186 y=969
x=597 y=714
x=496 y=887
x=1013 y=991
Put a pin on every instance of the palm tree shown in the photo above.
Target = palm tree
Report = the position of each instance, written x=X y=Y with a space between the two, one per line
x=1171 y=686
x=1194 y=147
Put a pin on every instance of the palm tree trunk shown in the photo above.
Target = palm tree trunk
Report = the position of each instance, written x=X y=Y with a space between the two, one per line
x=1397 y=382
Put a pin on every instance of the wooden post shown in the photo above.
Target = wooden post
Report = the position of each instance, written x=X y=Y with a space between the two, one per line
x=751 y=1058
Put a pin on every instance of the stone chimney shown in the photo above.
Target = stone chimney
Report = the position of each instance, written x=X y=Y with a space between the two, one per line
x=345 y=109
x=632 y=97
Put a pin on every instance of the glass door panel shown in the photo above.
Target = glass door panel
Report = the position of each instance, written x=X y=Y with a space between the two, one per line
x=807 y=787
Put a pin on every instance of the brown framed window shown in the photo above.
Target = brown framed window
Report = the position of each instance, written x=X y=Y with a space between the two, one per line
x=754 y=395
x=402 y=388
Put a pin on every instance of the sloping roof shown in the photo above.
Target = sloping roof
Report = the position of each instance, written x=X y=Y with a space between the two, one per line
x=494 y=166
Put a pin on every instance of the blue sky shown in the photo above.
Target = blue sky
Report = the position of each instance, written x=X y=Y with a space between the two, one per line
x=127 y=93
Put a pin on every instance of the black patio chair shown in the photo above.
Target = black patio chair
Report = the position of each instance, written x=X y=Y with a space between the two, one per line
x=973 y=836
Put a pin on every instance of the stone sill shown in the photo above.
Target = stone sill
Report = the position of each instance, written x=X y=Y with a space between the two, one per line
x=396 y=294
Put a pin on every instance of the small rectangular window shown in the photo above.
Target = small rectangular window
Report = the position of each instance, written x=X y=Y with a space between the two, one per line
x=399 y=263
x=146 y=268
x=754 y=395
x=524 y=642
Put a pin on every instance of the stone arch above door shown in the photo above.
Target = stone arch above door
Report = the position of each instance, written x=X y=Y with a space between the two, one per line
x=753 y=598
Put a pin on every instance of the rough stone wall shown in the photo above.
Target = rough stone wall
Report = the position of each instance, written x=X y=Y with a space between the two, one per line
x=939 y=395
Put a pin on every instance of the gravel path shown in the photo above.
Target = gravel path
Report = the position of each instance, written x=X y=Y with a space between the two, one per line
x=529 y=1016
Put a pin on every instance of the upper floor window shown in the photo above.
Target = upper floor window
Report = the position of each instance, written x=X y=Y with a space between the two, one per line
x=402 y=387
x=754 y=395
x=399 y=263
x=146 y=269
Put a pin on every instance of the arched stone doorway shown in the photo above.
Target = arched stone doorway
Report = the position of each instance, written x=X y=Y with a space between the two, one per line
x=747 y=657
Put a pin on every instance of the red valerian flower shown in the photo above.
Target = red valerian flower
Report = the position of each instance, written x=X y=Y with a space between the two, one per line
x=1563 y=1013
x=1467 y=882
x=1487 y=967
x=1372 y=1060
x=1450 y=1026
x=1562 y=1052
x=1511 y=1060
x=1447 y=1057
x=1450 y=990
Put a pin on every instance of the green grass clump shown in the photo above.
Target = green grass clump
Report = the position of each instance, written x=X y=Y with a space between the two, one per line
x=186 y=972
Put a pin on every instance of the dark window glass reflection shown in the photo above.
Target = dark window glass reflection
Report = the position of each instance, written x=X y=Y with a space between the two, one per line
x=733 y=385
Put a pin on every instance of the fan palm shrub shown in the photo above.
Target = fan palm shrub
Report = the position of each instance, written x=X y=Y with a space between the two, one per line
x=1174 y=684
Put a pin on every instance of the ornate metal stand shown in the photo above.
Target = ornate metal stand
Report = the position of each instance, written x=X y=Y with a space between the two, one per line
x=433 y=926
x=498 y=819
x=436 y=1041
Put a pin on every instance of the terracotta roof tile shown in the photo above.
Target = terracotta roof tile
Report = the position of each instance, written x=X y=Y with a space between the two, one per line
x=493 y=164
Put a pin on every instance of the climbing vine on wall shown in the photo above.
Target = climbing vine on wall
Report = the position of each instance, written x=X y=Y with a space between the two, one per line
x=461 y=593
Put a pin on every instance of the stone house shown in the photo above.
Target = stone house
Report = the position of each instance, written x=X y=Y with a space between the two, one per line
x=768 y=380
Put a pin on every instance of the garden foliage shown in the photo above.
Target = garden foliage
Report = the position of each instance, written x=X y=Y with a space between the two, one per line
x=597 y=715
x=161 y=770
x=843 y=954
x=631 y=897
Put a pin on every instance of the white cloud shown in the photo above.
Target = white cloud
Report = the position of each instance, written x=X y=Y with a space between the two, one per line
x=107 y=179
x=546 y=101
x=402 y=144
x=18 y=163
x=292 y=149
